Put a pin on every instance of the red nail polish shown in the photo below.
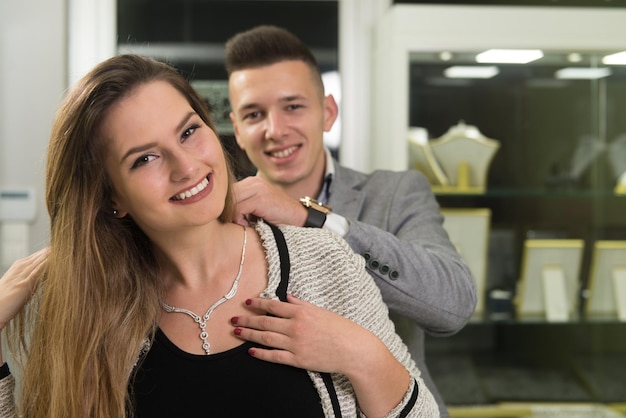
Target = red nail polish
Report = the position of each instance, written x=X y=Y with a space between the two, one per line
x=251 y=351
x=237 y=331
x=248 y=301
x=234 y=320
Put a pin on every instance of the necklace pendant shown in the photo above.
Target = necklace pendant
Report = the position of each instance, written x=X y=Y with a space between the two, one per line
x=202 y=320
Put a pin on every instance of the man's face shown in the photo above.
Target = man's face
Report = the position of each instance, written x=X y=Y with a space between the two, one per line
x=279 y=115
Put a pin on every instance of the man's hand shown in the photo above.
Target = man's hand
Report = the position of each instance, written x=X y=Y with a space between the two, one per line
x=255 y=198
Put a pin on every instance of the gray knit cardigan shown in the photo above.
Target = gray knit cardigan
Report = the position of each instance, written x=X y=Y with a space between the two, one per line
x=326 y=272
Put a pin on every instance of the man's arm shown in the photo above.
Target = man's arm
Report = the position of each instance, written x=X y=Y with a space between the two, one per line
x=418 y=270
x=433 y=286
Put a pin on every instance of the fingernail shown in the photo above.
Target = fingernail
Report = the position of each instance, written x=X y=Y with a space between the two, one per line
x=248 y=301
x=234 y=320
x=251 y=351
x=237 y=331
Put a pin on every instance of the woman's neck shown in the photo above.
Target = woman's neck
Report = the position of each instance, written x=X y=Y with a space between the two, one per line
x=199 y=258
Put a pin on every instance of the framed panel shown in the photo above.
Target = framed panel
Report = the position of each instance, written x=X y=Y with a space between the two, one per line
x=607 y=281
x=469 y=232
x=549 y=280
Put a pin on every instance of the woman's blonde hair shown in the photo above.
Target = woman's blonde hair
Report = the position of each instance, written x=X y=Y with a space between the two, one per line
x=99 y=296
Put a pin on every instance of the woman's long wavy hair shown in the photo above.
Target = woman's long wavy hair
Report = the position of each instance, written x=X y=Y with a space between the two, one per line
x=99 y=296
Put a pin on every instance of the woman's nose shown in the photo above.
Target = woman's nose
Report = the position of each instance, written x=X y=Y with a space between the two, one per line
x=183 y=166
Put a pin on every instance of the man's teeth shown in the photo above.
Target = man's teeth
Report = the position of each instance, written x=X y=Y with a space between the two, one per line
x=193 y=191
x=284 y=153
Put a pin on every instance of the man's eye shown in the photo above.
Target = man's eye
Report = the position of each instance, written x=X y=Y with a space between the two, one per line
x=252 y=115
x=144 y=159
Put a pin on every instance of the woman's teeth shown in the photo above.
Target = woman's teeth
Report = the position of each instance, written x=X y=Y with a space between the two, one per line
x=193 y=191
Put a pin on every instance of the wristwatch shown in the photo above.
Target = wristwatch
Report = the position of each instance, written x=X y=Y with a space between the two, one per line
x=317 y=212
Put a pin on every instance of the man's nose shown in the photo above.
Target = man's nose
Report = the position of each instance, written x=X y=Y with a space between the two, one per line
x=276 y=126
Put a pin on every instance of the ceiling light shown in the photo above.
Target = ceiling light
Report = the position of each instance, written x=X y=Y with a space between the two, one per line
x=618 y=58
x=578 y=73
x=445 y=56
x=509 y=56
x=574 y=57
x=475 y=71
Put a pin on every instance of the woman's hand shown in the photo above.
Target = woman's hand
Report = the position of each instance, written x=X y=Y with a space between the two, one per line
x=302 y=335
x=18 y=283
x=309 y=337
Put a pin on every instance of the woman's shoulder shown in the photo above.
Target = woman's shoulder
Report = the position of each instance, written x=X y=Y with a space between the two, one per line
x=311 y=239
x=312 y=248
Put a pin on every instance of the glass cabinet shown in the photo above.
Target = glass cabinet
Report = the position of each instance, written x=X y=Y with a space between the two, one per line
x=554 y=178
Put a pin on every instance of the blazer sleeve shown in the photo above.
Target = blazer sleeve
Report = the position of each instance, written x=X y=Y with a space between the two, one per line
x=400 y=233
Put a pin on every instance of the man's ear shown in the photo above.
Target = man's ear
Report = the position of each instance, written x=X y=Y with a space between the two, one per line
x=331 y=110
x=233 y=120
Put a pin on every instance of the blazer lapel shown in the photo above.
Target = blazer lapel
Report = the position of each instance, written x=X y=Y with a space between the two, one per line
x=346 y=197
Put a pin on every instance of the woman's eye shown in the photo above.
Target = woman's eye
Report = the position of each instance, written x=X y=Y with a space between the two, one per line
x=144 y=159
x=189 y=131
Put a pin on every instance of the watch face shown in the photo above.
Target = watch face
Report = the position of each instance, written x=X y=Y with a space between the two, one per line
x=312 y=203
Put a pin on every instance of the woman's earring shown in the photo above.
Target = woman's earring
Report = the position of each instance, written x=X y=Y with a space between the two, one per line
x=114 y=212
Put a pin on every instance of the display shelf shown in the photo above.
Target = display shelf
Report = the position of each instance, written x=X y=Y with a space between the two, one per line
x=537 y=410
x=525 y=192
x=490 y=363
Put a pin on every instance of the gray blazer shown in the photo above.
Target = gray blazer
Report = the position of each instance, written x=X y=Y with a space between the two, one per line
x=395 y=223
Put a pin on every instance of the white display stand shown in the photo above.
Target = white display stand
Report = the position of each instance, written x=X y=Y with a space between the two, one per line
x=549 y=282
x=469 y=232
x=607 y=281
x=619 y=284
x=465 y=155
x=555 y=294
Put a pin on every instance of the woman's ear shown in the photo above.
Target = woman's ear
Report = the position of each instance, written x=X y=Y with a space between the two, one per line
x=119 y=214
x=117 y=211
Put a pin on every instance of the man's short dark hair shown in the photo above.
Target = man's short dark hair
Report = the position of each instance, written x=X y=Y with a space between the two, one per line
x=266 y=45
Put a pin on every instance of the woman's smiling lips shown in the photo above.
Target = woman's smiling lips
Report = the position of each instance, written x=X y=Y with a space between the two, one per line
x=195 y=193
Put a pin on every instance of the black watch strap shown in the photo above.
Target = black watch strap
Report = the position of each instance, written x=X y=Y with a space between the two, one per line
x=317 y=212
x=315 y=218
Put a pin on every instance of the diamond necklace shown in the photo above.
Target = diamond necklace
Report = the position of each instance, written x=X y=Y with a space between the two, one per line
x=202 y=320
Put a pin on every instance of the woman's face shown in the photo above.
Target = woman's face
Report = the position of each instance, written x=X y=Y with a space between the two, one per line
x=166 y=165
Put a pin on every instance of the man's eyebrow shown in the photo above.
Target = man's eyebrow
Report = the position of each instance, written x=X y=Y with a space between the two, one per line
x=248 y=106
x=144 y=147
x=286 y=99
x=292 y=98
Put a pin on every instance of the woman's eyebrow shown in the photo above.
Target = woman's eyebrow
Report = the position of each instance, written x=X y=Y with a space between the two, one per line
x=144 y=147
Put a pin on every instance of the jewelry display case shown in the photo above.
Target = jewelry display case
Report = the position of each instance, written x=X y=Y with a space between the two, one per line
x=556 y=178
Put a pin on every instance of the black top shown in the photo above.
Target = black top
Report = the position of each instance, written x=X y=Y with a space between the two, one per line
x=4 y=371
x=174 y=383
